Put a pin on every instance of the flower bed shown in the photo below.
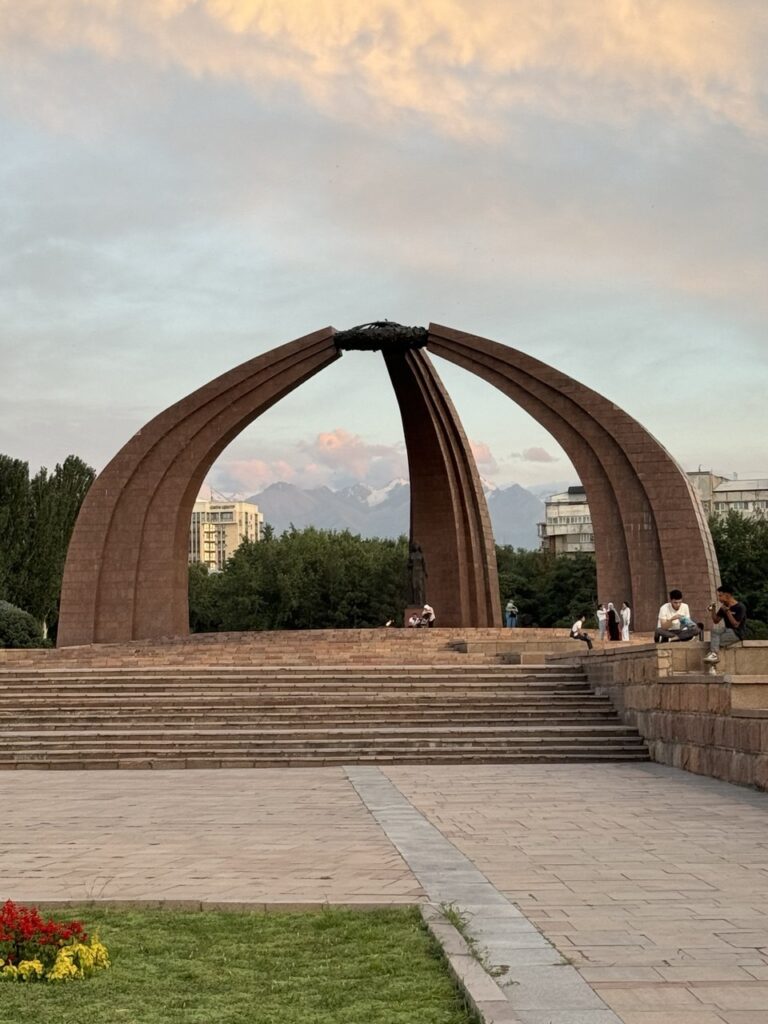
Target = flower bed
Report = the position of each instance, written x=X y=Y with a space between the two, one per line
x=33 y=949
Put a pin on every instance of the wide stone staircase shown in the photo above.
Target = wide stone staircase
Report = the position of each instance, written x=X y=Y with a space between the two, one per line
x=436 y=706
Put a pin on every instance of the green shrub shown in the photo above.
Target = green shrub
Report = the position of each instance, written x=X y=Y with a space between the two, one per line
x=18 y=628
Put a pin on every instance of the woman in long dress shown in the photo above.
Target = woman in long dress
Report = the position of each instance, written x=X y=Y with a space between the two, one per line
x=626 y=618
x=614 y=623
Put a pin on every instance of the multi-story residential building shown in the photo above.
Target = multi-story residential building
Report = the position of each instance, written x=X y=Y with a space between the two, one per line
x=567 y=526
x=720 y=494
x=218 y=528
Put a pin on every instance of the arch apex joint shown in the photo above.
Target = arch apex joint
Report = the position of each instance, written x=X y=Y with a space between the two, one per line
x=381 y=335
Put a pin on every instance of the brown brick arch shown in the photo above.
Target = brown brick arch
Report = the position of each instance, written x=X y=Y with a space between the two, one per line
x=125 y=576
x=649 y=526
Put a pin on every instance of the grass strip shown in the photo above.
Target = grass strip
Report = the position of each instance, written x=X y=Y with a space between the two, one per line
x=319 y=967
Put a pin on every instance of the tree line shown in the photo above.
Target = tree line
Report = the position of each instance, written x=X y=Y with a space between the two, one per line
x=321 y=579
x=311 y=578
x=37 y=516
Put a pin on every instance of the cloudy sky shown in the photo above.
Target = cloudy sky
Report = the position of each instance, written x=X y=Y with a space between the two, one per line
x=188 y=183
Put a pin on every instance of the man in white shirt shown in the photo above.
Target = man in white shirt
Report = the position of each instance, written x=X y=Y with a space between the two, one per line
x=428 y=614
x=675 y=622
x=577 y=631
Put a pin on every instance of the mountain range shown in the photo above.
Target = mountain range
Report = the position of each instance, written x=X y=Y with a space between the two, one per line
x=514 y=510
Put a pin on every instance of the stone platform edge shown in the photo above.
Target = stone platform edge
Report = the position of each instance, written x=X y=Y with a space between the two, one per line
x=708 y=724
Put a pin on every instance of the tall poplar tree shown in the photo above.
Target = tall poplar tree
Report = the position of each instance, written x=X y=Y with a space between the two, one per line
x=55 y=500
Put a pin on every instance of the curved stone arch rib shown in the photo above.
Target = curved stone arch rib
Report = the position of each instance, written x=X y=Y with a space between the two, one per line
x=610 y=546
x=99 y=589
x=479 y=552
x=623 y=518
x=449 y=515
x=165 y=539
x=668 y=518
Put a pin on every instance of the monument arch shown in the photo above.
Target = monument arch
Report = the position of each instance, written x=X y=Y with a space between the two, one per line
x=126 y=571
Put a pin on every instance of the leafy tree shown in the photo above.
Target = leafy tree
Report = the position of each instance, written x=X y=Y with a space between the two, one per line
x=548 y=589
x=742 y=551
x=203 y=610
x=304 y=579
x=18 y=628
x=14 y=526
x=55 y=503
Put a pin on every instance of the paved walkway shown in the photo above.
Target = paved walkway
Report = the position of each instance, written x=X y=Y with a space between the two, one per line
x=648 y=885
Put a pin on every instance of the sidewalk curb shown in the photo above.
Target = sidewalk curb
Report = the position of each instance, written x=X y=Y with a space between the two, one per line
x=482 y=993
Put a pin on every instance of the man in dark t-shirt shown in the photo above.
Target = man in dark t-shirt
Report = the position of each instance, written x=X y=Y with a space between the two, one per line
x=729 y=622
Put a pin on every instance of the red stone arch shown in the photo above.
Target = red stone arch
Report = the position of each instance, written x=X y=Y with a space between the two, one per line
x=125 y=576
x=650 y=530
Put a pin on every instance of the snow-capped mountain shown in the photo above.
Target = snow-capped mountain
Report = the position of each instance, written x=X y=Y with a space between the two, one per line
x=384 y=512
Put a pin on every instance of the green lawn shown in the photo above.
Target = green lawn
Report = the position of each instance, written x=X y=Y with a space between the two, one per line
x=324 y=967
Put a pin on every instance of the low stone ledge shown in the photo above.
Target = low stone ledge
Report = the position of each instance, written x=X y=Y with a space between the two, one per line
x=748 y=692
x=691 y=719
x=482 y=993
x=234 y=906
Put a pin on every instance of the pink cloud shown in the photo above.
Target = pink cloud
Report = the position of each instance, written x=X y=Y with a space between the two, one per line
x=245 y=476
x=335 y=458
x=534 y=455
x=350 y=457
x=484 y=457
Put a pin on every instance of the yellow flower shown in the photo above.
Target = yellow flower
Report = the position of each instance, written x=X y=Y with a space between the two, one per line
x=64 y=969
x=30 y=970
x=77 y=960
x=9 y=972
x=100 y=953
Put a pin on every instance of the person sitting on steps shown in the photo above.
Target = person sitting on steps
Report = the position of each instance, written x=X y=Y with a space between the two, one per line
x=577 y=631
x=729 y=623
x=675 y=622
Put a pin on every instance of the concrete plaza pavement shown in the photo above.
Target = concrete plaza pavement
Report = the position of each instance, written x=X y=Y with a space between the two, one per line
x=650 y=883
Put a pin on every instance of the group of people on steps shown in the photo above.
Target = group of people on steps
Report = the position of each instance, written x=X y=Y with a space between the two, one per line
x=674 y=623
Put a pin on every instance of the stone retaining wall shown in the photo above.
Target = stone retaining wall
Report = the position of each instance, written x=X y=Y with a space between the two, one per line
x=708 y=724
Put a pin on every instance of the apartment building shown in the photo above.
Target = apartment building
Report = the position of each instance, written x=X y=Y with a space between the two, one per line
x=218 y=528
x=567 y=526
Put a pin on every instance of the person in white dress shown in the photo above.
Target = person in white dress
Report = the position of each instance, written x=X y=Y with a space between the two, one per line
x=626 y=618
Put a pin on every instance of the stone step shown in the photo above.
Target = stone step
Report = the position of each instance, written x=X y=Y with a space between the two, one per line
x=370 y=746
x=58 y=718
x=295 y=673
x=303 y=691
x=285 y=701
x=306 y=682
x=551 y=755
x=50 y=744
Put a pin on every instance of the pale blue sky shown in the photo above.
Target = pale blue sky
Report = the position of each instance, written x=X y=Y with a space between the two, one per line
x=186 y=184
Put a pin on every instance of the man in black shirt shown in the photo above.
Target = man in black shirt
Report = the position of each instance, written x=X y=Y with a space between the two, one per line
x=729 y=622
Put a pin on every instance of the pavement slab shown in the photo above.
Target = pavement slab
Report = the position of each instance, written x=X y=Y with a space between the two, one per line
x=253 y=836
x=651 y=882
x=609 y=893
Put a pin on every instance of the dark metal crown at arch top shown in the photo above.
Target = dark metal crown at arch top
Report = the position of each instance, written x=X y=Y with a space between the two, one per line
x=381 y=334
